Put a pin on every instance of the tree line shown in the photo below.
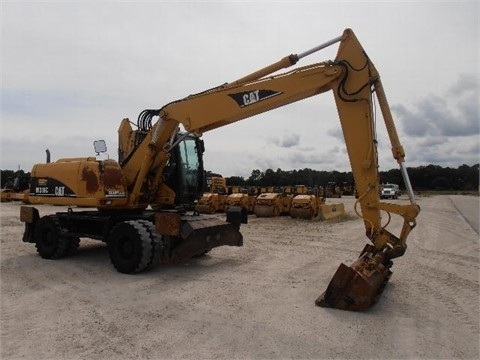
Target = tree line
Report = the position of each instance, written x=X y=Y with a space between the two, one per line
x=430 y=177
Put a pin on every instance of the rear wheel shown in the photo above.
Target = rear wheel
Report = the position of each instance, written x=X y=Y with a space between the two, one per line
x=49 y=242
x=130 y=245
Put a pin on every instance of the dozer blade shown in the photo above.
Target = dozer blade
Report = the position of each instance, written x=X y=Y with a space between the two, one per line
x=359 y=286
x=331 y=211
x=192 y=235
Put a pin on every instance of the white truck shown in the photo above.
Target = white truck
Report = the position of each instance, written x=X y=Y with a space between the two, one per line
x=389 y=191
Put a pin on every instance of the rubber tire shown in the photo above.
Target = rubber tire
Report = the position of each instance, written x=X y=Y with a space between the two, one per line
x=130 y=247
x=157 y=241
x=49 y=242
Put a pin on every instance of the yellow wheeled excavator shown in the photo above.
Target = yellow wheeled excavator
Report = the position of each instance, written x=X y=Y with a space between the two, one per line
x=162 y=167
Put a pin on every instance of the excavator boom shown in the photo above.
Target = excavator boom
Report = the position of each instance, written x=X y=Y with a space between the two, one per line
x=354 y=81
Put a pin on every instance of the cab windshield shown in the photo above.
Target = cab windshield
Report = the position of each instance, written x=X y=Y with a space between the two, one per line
x=184 y=171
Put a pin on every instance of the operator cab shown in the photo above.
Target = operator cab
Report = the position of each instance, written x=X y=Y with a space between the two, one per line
x=184 y=171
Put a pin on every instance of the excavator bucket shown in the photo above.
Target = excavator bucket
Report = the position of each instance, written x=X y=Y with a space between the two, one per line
x=358 y=287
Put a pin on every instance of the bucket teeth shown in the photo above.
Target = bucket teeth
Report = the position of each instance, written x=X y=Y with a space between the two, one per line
x=357 y=287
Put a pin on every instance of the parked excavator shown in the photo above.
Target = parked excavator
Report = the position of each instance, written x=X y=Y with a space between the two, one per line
x=162 y=167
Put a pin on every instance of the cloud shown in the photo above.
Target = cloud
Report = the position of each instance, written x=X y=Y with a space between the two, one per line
x=45 y=102
x=286 y=141
x=464 y=84
x=336 y=133
x=444 y=151
x=33 y=150
x=455 y=113
x=433 y=141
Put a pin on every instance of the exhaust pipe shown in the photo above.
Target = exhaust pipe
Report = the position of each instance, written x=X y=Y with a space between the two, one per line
x=48 y=156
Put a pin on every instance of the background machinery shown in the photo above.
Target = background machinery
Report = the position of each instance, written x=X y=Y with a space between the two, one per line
x=213 y=200
x=16 y=189
x=276 y=201
x=309 y=203
x=389 y=191
x=268 y=204
x=242 y=197
x=305 y=204
x=161 y=167
x=333 y=190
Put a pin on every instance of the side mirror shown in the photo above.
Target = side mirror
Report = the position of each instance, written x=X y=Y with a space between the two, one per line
x=100 y=146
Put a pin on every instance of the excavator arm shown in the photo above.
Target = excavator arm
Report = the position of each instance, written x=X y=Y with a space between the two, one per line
x=354 y=81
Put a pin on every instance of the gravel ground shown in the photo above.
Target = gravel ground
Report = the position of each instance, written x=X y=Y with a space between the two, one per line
x=254 y=302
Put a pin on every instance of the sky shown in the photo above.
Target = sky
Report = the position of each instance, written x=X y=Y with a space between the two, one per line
x=72 y=70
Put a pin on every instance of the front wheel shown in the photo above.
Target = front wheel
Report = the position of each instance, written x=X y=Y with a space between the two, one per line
x=130 y=247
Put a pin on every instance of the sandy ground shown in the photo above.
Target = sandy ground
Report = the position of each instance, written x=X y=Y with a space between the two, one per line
x=254 y=302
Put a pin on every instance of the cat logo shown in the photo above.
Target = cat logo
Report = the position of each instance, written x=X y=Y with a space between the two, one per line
x=247 y=98
x=251 y=97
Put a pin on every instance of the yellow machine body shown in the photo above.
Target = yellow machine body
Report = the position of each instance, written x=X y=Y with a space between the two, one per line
x=86 y=182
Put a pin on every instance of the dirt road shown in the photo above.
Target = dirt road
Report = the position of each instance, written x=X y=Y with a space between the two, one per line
x=255 y=302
